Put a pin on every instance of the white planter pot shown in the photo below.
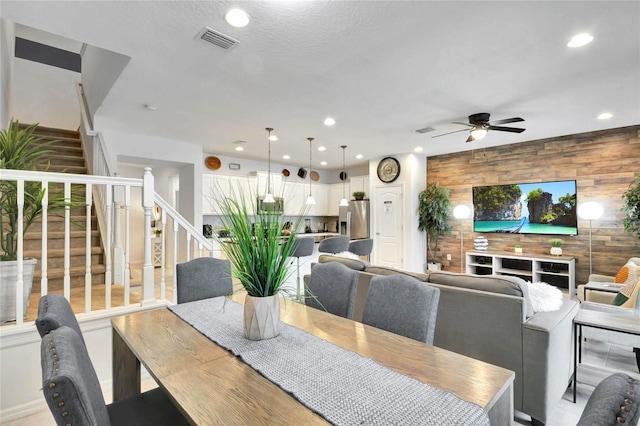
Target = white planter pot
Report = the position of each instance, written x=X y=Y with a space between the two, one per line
x=261 y=317
x=8 y=280
x=434 y=266
x=556 y=251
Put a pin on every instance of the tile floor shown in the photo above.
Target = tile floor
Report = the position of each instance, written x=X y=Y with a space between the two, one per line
x=566 y=413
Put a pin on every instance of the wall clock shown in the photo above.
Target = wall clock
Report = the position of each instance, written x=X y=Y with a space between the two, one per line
x=388 y=169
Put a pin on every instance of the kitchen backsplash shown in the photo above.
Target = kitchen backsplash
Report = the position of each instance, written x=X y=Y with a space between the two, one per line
x=316 y=223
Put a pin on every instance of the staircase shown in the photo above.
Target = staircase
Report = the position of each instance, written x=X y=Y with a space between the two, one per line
x=67 y=157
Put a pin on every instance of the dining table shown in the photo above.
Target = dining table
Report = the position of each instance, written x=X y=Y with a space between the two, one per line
x=211 y=385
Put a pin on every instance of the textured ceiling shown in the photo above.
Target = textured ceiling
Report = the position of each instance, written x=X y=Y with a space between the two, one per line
x=381 y=69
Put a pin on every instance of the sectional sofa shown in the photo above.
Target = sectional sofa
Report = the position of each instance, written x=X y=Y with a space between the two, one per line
x=490 y=318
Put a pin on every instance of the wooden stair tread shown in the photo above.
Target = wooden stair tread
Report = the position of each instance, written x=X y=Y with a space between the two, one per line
x=73 y=251
x=73 y=271
x=51 y=235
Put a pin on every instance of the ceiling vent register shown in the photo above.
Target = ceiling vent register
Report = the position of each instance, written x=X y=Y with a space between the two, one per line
x=217 y=38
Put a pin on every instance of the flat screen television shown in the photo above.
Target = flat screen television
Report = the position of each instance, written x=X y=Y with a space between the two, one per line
x=526 y=208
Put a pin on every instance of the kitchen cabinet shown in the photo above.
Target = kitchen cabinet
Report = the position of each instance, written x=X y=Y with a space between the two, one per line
x=359 y=183
x=334 y=198
x=213 y=186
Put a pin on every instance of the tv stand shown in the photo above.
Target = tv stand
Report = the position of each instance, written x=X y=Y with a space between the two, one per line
x=556 y=270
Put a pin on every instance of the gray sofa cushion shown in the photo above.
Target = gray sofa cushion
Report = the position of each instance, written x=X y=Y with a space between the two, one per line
x=356 y=264
x=502 y=284
x=384 y=270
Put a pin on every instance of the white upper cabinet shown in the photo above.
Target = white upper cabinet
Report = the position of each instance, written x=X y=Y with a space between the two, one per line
x=213 y=186
x=335 y=195
x=358 y=183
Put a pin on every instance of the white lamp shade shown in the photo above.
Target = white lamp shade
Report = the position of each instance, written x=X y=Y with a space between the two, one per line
x=310 y=200
x=344 y=203
x=461 y=211
x=590 y=210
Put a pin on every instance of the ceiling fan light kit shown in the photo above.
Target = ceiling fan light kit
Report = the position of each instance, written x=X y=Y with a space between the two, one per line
x=480 y=126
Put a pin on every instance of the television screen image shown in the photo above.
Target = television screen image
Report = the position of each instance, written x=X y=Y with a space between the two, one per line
x=526 y=208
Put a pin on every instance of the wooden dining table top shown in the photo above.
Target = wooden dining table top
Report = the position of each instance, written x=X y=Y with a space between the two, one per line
x=211 y=385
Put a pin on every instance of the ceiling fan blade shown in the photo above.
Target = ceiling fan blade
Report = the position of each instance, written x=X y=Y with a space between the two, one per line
x=460 y=122
x=506 y=129
x=507 y=120
x=470 y=139
x=444 y=134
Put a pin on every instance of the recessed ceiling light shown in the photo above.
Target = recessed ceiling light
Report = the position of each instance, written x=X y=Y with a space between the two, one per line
x=605 y=116
x=359 y=156
x=286 y=157
x=580 y=40
x=323 y=163
x=273 y=138
x=322 y=148
x=149 y=107
x=239 y=148
x=329 y=121
x=237 y=18
x=418 y=149
x=239 y=145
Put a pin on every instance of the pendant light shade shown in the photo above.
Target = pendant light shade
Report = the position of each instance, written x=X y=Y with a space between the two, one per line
x=344 y=202
x=310 y=200
x=269 y=197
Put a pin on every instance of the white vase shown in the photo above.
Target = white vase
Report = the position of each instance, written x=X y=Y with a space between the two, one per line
x=261 y=317
x=434 y=266
x=8 y=279
x=556 y=251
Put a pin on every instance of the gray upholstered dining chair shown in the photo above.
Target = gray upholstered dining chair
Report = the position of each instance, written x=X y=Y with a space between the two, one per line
x=361 y=247
x=203 y=278
x=614 y=401
x=54 y=311
x=402 y=305
x=302 y=247
x=72 y=390
x=332 y=287
x=334 y=245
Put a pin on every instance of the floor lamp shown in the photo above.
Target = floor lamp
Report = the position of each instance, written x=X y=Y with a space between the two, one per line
x=590 y=211
x=461 y=212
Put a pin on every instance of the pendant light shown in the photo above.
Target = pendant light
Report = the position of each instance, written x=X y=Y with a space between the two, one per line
x=269 y=197
x=343 y=175
x=310 y=199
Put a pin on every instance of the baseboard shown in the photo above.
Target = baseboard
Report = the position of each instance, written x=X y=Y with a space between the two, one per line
x=23 y=410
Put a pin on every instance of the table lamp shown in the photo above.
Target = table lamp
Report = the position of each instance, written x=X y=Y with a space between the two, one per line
x=590 y=211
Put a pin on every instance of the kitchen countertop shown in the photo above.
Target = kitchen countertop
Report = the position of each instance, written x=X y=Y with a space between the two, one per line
x=318 y=234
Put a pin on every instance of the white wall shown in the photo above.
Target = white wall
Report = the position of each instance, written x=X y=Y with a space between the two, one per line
x=413 y=171
x=100 y=70
x=7 y=47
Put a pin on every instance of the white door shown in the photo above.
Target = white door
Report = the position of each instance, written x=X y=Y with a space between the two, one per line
x=388 y=226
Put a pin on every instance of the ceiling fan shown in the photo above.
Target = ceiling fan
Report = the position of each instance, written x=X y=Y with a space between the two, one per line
x=480 y=125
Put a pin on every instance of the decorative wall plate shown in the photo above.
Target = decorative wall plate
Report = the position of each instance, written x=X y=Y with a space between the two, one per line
x=212 y=163
x=314 y=176
x=285 y=172
x=388 y=169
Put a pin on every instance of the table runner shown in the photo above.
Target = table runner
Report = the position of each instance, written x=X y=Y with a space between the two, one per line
x=342 y=386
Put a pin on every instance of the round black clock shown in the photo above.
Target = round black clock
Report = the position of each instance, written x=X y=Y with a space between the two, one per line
x=388 y=169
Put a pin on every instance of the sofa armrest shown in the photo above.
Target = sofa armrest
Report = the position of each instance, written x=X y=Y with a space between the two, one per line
x=597 y=278
x=547 y=352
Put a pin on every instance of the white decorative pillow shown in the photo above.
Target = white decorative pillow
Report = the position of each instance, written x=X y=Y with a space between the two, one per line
x=544 y=297
x=348 y=255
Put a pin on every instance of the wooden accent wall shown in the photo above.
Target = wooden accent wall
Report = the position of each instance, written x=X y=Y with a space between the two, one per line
x=603 y=163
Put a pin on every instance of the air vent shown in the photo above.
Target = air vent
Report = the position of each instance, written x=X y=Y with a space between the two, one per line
x=425 y=130
x=219 y=39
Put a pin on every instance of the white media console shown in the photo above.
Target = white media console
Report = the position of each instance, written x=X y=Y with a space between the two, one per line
x=557 y=270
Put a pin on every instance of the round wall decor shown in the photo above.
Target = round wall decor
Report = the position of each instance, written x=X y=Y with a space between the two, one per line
x=388 y=169
x=212 y=163
x=314 y=176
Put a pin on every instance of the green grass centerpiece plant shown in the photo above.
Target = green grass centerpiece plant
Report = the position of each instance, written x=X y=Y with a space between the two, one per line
x=556 y=244
x=21 y=150
x=260 y=255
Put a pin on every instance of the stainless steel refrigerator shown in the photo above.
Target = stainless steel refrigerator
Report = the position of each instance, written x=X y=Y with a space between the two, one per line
x=354 y=220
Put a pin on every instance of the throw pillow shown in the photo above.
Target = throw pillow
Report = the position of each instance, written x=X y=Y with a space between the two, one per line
x=348 y=255
x=626 y=297
x=544 y=297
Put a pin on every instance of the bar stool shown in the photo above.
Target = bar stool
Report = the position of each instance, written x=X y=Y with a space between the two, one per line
x=303 y=247
x=361 y=247
x=334 y=245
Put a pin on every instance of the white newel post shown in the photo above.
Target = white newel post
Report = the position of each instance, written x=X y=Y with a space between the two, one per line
x=147 y=268
x=118 y=253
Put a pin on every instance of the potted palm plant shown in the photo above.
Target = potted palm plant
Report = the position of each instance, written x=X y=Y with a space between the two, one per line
x=434 y=209
x=260 y=256
x=631 y=207
x=20 y=150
